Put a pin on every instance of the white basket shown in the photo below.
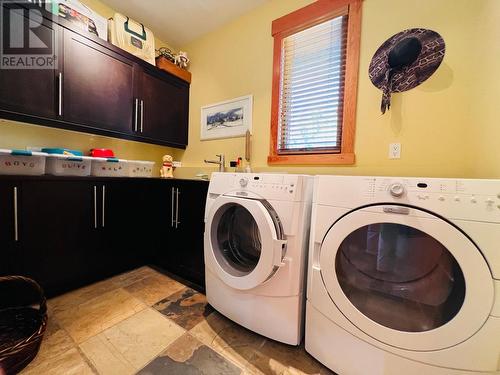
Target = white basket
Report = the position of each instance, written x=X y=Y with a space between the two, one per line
x=21 y=162
x=140 y=168
x=109 y=167
x=68 y=165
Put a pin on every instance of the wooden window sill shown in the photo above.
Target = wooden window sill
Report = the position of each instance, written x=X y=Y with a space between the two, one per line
x=312 y=159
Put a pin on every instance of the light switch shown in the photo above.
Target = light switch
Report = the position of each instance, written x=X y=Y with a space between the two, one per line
x=395 y=151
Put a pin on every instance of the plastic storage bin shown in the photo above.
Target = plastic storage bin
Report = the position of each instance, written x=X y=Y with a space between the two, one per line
x=22 y=162
x=109 y=167
x=67 y=165
x=140 y=168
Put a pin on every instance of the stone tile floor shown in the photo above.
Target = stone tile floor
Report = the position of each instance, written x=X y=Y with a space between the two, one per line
x=143 y=322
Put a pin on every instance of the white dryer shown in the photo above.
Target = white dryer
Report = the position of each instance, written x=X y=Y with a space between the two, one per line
x=404 y=276
x=256 y=242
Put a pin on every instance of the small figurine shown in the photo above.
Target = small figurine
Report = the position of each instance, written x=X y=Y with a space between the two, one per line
x=182 y=60
x=167 y=168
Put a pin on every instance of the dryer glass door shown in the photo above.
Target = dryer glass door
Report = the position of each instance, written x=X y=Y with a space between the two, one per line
x=238 y=239
x=244 y=242
x=406 y=277
x=400 y=277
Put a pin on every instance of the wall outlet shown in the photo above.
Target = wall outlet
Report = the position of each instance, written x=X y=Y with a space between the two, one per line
x=395 y=151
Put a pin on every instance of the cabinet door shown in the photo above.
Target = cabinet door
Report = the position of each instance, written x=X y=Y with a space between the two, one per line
x=7 y=226
x=164 y=108
x=97 y=85
x=127 y=224
x=190 y=227
x=165 y=252
x=30 y=91
x=56 y=234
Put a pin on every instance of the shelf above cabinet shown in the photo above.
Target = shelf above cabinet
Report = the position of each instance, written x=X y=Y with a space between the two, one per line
x=164 y=64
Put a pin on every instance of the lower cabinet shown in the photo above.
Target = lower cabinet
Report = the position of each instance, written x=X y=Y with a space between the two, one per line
x=182 y=252
x=56 y=234
x=127 y=225
x=8 y=193
x=66 y=233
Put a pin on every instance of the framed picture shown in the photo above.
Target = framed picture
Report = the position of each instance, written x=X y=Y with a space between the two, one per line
x=228 y=119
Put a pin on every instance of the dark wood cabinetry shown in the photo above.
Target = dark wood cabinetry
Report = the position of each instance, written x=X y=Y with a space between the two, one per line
x=56 y=230
x=127 y=226
x=8 y=192
x=31 y=91
x=164 y=107
x=74 y=231
x=184 y=226
x=97 y=85
x=99 y=88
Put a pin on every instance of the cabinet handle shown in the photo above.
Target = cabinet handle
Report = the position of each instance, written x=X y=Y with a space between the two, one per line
x=95 y=207
x=142 y=115
x=60 y=93
x=103 y=204
x=16 y=226
x=177 y=222
x=172 y=209
x=136 y=112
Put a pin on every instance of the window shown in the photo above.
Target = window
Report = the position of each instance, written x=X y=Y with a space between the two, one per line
x=316 y=53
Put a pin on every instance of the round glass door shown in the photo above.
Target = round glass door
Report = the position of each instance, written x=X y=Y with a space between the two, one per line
x=406 y=278
x=400 y=277
x=242 y=245
x=238 y=240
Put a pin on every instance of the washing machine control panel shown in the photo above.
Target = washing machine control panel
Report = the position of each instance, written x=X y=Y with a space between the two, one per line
x=459 y=198
x=268 y=186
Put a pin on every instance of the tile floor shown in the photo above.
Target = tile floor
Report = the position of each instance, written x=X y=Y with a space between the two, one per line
x=143 y=322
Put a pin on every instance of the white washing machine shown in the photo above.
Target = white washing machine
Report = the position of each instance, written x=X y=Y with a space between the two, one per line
x=404 y=276
x=256 y=243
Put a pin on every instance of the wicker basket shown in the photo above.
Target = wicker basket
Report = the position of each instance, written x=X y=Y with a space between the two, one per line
x=21 y=324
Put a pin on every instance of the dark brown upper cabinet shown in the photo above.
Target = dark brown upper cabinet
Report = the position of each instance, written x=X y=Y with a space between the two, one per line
x=97 y=88
x=163 y=106
x=97 y=85
x=28 y=90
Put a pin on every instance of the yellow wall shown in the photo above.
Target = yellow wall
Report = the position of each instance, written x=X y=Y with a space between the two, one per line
x=485 y=95
x=21 y=135
x=437 y=123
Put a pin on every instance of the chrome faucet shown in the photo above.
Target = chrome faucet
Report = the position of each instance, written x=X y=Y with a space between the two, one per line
x=221 y=162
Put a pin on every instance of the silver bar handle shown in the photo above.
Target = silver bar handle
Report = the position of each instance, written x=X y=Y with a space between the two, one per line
x=103 y=204
x=136 y=113
x=172 y=209
x=95 y=207
x=142 y=115
x=16 y=226
x=177 y=222
x=60 y=110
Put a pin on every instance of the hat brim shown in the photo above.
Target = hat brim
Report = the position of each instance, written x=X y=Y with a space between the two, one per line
x=429 y=59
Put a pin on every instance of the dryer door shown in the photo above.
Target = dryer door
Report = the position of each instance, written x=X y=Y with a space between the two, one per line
x=406 y=277
x=244 y=243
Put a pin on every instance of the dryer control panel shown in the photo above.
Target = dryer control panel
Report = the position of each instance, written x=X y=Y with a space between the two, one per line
x=262 y=185
x=465 y=199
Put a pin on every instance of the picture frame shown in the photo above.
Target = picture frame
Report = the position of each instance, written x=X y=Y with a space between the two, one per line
x=227 y=119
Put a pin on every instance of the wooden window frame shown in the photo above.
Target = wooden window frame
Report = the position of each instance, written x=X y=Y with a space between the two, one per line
x=311 y=15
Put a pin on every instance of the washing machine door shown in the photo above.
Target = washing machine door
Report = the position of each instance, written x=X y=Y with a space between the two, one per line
x=406 y=277
x=244 y=242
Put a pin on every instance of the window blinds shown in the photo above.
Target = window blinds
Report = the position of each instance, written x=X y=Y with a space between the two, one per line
x=312 y=88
